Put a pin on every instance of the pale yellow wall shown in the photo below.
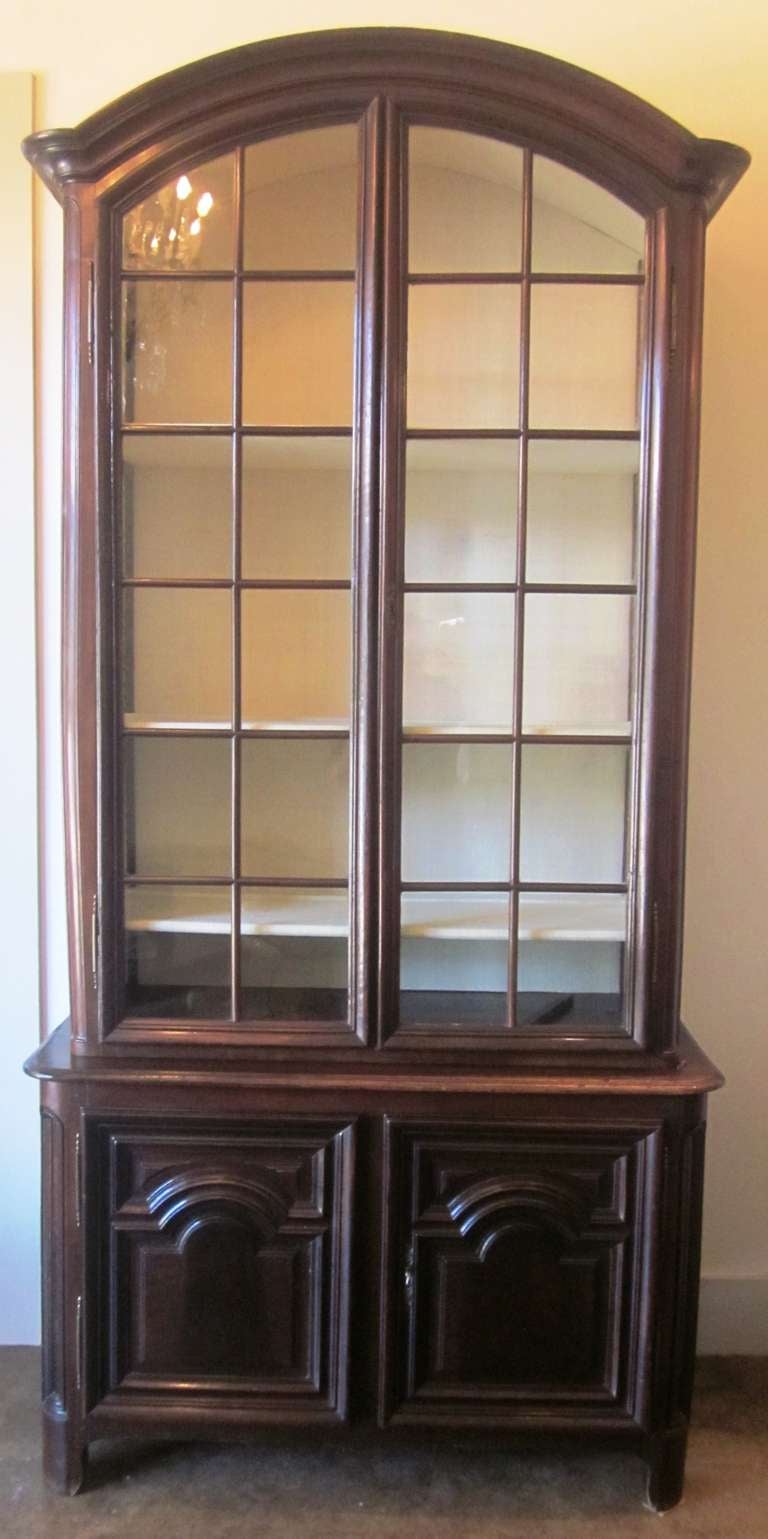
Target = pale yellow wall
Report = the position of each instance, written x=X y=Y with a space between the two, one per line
x=707 y=64
x=19 y=953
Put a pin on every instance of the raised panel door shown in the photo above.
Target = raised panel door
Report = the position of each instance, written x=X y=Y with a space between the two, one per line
x=513 y=1272
x=222 y=1259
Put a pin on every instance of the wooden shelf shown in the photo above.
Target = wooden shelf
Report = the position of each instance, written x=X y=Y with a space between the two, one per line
x=582 y=729
x=576 y=917
x=530 y=729
x=132 y=722
x=480 y=916
x=135 y=723
x=547 y=456
x=162 y=449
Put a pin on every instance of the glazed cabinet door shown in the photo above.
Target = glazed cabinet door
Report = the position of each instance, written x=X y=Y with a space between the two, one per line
x=220 y=1263
x=513 y=554
x=513 y=1273
x=238 y=503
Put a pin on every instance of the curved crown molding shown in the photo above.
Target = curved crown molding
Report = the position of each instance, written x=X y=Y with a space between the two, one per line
x=583 y=108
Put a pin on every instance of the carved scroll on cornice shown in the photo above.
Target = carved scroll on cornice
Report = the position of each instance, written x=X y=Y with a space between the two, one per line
x=725 y=165
x=491 y=1208
x=184 y=1201
x=55 y=155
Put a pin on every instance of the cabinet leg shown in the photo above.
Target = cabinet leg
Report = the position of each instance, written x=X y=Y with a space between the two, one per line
x=665 y=1454
x=64 y=1451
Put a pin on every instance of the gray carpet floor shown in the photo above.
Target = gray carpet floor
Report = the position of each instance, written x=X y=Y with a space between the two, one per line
x=452 y=1491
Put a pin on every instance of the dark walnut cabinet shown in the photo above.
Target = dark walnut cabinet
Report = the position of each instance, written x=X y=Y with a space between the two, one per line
x=374 y=1107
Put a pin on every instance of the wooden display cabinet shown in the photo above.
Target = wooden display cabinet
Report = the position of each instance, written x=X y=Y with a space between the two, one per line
x=382 y=359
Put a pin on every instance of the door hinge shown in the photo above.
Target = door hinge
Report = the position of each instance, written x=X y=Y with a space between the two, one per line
x=95 y=935
x=90 y=313
x=655 y=945
x=673 y=314
x=409 y=1275
x=79 y=1342
x=78 y=1182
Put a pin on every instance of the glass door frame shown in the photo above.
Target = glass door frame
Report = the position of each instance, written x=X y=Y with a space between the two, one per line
x=398 y=286
x=363 y=434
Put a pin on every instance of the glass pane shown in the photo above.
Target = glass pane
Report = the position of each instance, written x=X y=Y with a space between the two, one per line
x=301 y=201
x=464 y=202
x=177 y=352
x=581 y=511
x=457 y=802
x=177 y=506
x=178 y=806
x=295 y=808
x=458 y=662
x=576 y=674
x=297 y=500
x=178 y=657
x=296 y=658
x=572 y=813
x=187 y=225
x=571 y=961
x=463 y=355
x=454 y=955
x=584 y=357
x=460 y=510
x=297 y=354
x=578 y=227
x=293 y=955
x=178 y=951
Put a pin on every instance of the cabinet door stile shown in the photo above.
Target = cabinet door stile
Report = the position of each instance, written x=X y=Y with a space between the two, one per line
x=363 y=991
x=392 y=474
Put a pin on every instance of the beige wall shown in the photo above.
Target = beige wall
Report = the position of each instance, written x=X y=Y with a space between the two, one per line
x=706 y=63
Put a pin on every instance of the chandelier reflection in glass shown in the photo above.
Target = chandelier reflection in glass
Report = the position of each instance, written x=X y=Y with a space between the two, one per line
x=167 y=231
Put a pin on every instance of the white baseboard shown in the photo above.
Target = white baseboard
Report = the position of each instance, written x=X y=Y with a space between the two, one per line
x=733 y=1316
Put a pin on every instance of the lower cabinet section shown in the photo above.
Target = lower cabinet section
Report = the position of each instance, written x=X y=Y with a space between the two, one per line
x=515 y=1271
x=222 y=1262
x=511 y=1282
x=525 y=1264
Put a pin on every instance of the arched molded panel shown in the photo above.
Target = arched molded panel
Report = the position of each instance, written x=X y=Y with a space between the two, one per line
x=487 y=1210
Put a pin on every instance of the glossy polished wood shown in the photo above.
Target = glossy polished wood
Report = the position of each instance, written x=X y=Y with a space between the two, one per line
x=535 y=86
x=386 y=77
x=541 y=1230
x=244 y=1230
x=578 y=1196
x=389 y=1223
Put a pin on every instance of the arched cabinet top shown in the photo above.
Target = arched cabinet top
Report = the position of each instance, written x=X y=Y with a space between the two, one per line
x=587 y=122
